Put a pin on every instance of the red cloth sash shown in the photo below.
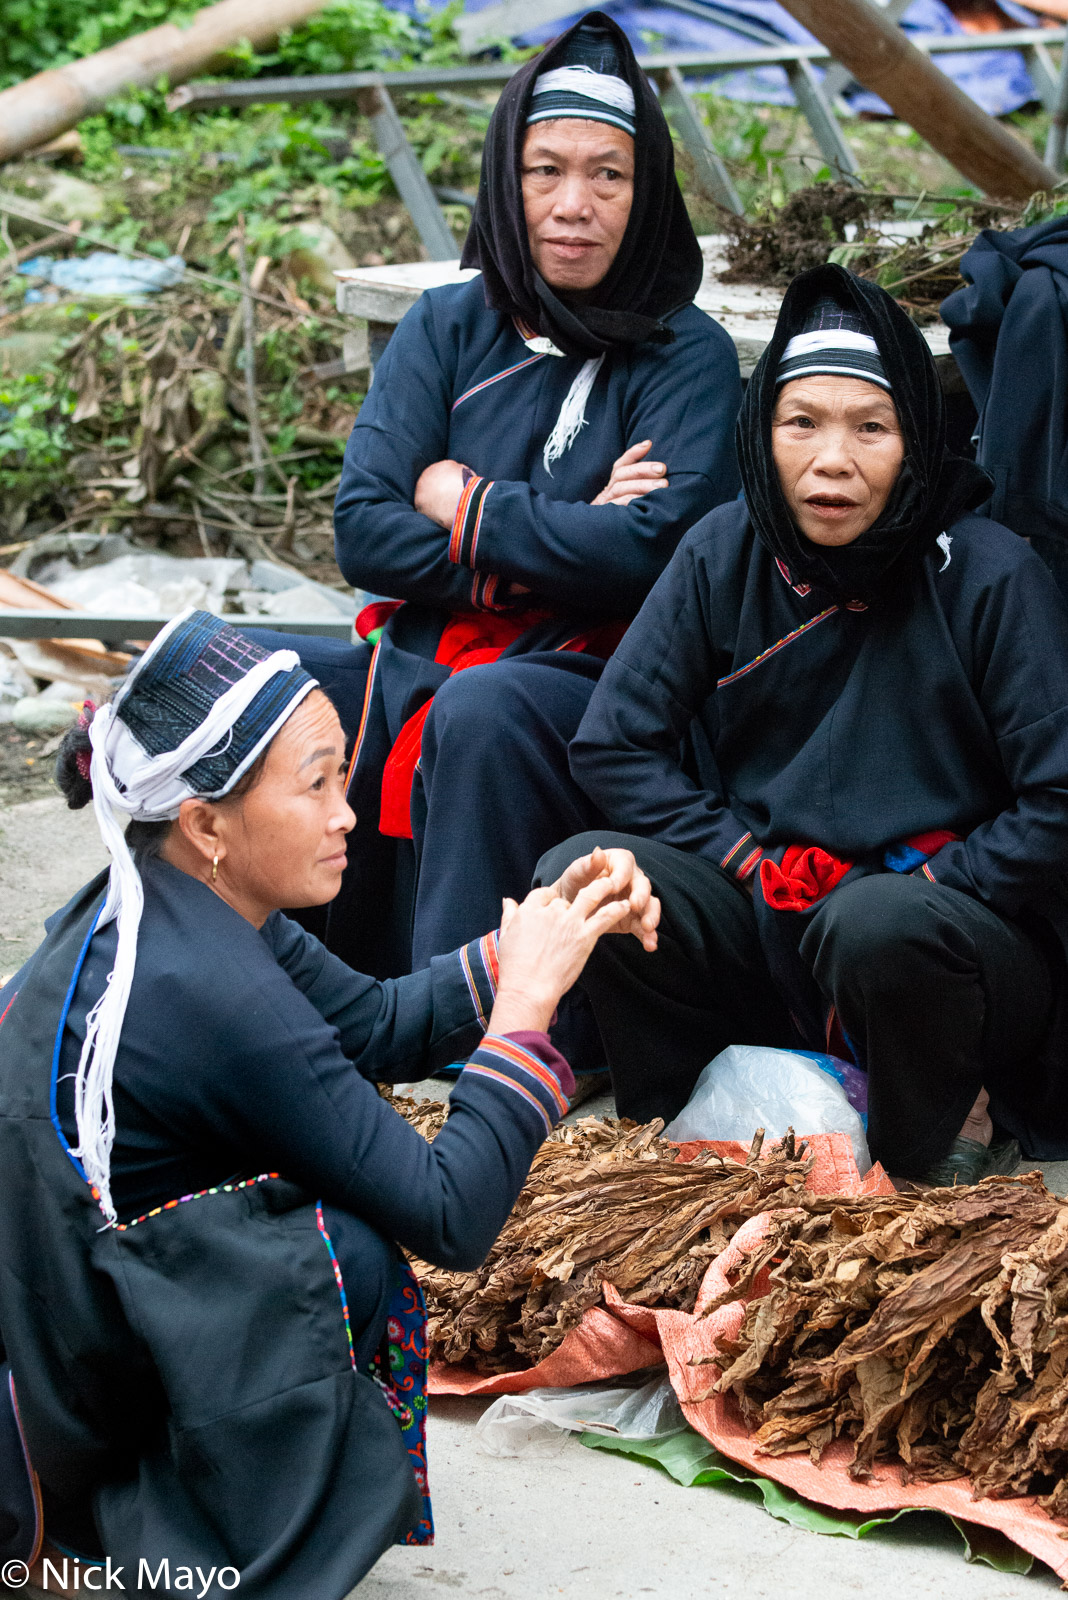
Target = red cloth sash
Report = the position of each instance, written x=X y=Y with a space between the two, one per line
x=807 y=874
x=467 y=641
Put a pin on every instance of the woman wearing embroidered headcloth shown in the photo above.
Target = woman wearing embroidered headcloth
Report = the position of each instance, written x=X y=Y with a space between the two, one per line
x=872 y=859
x=215 y=1352
x=535 y=443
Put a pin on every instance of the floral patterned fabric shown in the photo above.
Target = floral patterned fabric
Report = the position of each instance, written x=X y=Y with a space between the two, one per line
x=399 y=1367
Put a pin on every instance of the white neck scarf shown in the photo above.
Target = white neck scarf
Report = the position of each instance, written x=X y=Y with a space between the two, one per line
x=572 y=418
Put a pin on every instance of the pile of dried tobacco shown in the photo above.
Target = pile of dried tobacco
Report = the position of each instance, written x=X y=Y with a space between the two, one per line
x=927 y=1327
x=605 y=1201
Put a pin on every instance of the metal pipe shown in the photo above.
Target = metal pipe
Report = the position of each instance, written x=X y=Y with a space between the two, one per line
x=1058 y=122
x=118 y=630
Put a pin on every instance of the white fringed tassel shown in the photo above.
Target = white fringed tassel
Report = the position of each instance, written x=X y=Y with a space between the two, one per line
x=94 y=1106
x=572 y=418
x=151 y=790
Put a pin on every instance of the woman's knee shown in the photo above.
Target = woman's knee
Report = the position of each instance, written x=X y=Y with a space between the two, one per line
x=881 y=922
x=483 y=706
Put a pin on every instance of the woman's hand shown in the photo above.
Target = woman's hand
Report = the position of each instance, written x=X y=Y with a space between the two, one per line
x=544 y=944
x=633 y=476
x=625 y=881
x=438 y=491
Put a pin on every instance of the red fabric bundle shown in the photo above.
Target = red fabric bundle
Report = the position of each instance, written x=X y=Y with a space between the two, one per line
x=806 y=874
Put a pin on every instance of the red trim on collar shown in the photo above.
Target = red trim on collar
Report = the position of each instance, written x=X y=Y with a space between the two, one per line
x=798 y=588
x=806 y=588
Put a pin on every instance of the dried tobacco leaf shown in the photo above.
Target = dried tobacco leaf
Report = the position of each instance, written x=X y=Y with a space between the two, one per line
x=605 y=1201
x=931 y=1329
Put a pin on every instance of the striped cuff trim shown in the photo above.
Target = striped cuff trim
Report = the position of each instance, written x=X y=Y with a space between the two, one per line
x=927 y=873
x=480 y=965
x=748 y=866
x=527 y=1062
x=467 y=523
x=733 y=851
x=484 y=591
x=503 y=1061
x=479 y=1071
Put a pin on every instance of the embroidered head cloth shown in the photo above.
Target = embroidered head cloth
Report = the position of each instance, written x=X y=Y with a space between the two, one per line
x=658 y=265
x=189 y=720
x=587 y=84
x=835 y=341
x=932 y=489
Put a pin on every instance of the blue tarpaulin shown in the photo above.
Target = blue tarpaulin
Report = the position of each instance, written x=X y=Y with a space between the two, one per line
x=997 y=80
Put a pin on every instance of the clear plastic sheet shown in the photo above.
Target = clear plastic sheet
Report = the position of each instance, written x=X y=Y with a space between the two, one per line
x=750 y=1086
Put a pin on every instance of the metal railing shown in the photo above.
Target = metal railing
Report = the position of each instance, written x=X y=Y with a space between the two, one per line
x=109 y=629
x=373 y=91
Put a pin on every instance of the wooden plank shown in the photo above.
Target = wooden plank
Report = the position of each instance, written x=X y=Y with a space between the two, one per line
x=748 y=312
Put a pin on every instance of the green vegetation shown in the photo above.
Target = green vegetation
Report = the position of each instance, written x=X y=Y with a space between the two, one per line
x=88 y=408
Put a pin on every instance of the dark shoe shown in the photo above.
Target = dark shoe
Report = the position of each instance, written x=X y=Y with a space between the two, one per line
x=20 y=1493
x=966 y=1161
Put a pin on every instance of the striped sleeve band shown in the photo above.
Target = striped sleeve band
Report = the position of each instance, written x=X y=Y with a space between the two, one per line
x=519 y=1071
x=742 y=857
x=749 y=865
x=485 y=590
x=480 y=966
x=463 y=540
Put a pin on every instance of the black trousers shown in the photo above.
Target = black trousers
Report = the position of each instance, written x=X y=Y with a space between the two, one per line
x=938 y=995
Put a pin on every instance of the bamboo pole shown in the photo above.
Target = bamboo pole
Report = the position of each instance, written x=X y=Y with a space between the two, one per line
x=881 y=57
x=38 y=109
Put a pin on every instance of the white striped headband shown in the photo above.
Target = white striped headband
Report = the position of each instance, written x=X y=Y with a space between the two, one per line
x=837 y=352
x=582 y=92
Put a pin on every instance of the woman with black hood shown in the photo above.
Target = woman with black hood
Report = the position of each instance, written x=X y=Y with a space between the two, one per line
x=867 y=850
x=536 y=442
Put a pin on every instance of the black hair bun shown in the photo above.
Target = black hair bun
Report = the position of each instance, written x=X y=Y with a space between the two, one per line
x=71 y=773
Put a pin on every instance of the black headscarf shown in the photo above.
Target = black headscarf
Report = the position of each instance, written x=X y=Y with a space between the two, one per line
x=658 y=267
x=932 y=490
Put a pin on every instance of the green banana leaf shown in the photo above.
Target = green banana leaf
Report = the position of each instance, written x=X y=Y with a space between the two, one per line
x=692 y=1461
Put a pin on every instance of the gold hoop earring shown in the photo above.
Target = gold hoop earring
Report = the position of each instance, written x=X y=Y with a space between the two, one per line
x=214 y=868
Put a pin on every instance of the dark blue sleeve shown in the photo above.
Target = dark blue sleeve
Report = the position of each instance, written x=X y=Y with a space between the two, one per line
x=398 y=1029
x=382 y=543
x=288 y=1100
x=608 y=557
x=626 y=754
x=1020 y=674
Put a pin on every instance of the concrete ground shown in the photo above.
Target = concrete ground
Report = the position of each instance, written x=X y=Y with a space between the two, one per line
x=581 y=1523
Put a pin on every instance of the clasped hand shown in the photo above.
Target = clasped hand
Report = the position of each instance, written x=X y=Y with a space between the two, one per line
x=547 y=939
x=439 y=486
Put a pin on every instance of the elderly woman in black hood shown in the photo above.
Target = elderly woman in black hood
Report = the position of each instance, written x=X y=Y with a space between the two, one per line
x=536 y=443
x=838 y=732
